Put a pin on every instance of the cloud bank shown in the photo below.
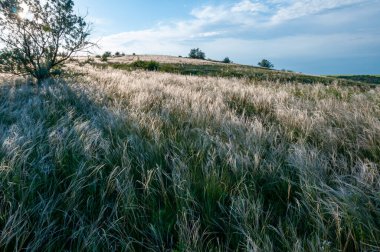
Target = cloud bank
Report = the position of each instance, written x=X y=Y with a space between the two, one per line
x=249 y=30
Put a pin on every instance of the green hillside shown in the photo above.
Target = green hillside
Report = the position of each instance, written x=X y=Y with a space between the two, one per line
x=123 y=160
x=218 y=69
x=370 y=79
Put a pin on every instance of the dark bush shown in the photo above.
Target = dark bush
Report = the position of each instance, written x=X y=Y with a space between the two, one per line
x=105 y=56
x=227 y=60
x=153 y=65
x=265 y=63
x=196 y=53
x=146 y=65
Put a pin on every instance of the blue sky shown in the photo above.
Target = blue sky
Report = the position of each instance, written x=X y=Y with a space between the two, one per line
x=310 y=36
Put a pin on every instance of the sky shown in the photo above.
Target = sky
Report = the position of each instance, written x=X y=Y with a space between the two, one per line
x=309 y=36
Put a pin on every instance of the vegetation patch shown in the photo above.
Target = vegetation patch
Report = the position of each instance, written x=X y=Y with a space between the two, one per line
x=131 y=160
x=230 y=71
x=371 y=79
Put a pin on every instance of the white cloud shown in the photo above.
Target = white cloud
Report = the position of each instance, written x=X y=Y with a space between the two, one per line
x=312 y=46
x=301 y=8
x=248 y=6
x=222 y=30
x=210 y=13
x=242 y=13
x=167 y=39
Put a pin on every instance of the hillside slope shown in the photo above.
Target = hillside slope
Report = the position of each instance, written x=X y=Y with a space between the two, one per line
x=188 y=66
x=117 y=160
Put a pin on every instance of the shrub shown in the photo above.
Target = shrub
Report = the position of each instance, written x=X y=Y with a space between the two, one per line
x=227 y=60
x=105 y=56
x=196 y=53
x=138 y=64
x=35 y=46
x=146 y=65
x=153 y=65
x=265 y=63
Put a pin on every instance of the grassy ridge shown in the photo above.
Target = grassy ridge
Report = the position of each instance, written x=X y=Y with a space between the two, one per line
x=371 y=79
x=138 y=161
x=229 y=70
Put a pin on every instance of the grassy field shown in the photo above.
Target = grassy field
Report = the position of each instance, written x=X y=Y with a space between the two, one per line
x=371 y=79
x=187 y=66
x=227 y=70
x=115 y=160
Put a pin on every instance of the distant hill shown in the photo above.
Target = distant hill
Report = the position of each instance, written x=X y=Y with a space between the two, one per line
x=197 y=67
x=371 y=79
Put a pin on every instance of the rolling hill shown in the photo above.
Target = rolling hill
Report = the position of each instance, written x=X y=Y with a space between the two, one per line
x=198 y=67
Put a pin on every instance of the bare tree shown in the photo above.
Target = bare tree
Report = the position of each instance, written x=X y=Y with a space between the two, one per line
x=39 y=36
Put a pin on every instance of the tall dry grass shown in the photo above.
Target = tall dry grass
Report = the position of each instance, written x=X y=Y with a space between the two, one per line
x=116 y=160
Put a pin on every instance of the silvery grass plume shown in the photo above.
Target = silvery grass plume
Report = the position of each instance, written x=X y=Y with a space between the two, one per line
x=114 y=160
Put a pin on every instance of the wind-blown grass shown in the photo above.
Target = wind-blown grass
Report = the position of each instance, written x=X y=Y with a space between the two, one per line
x=118 y=160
